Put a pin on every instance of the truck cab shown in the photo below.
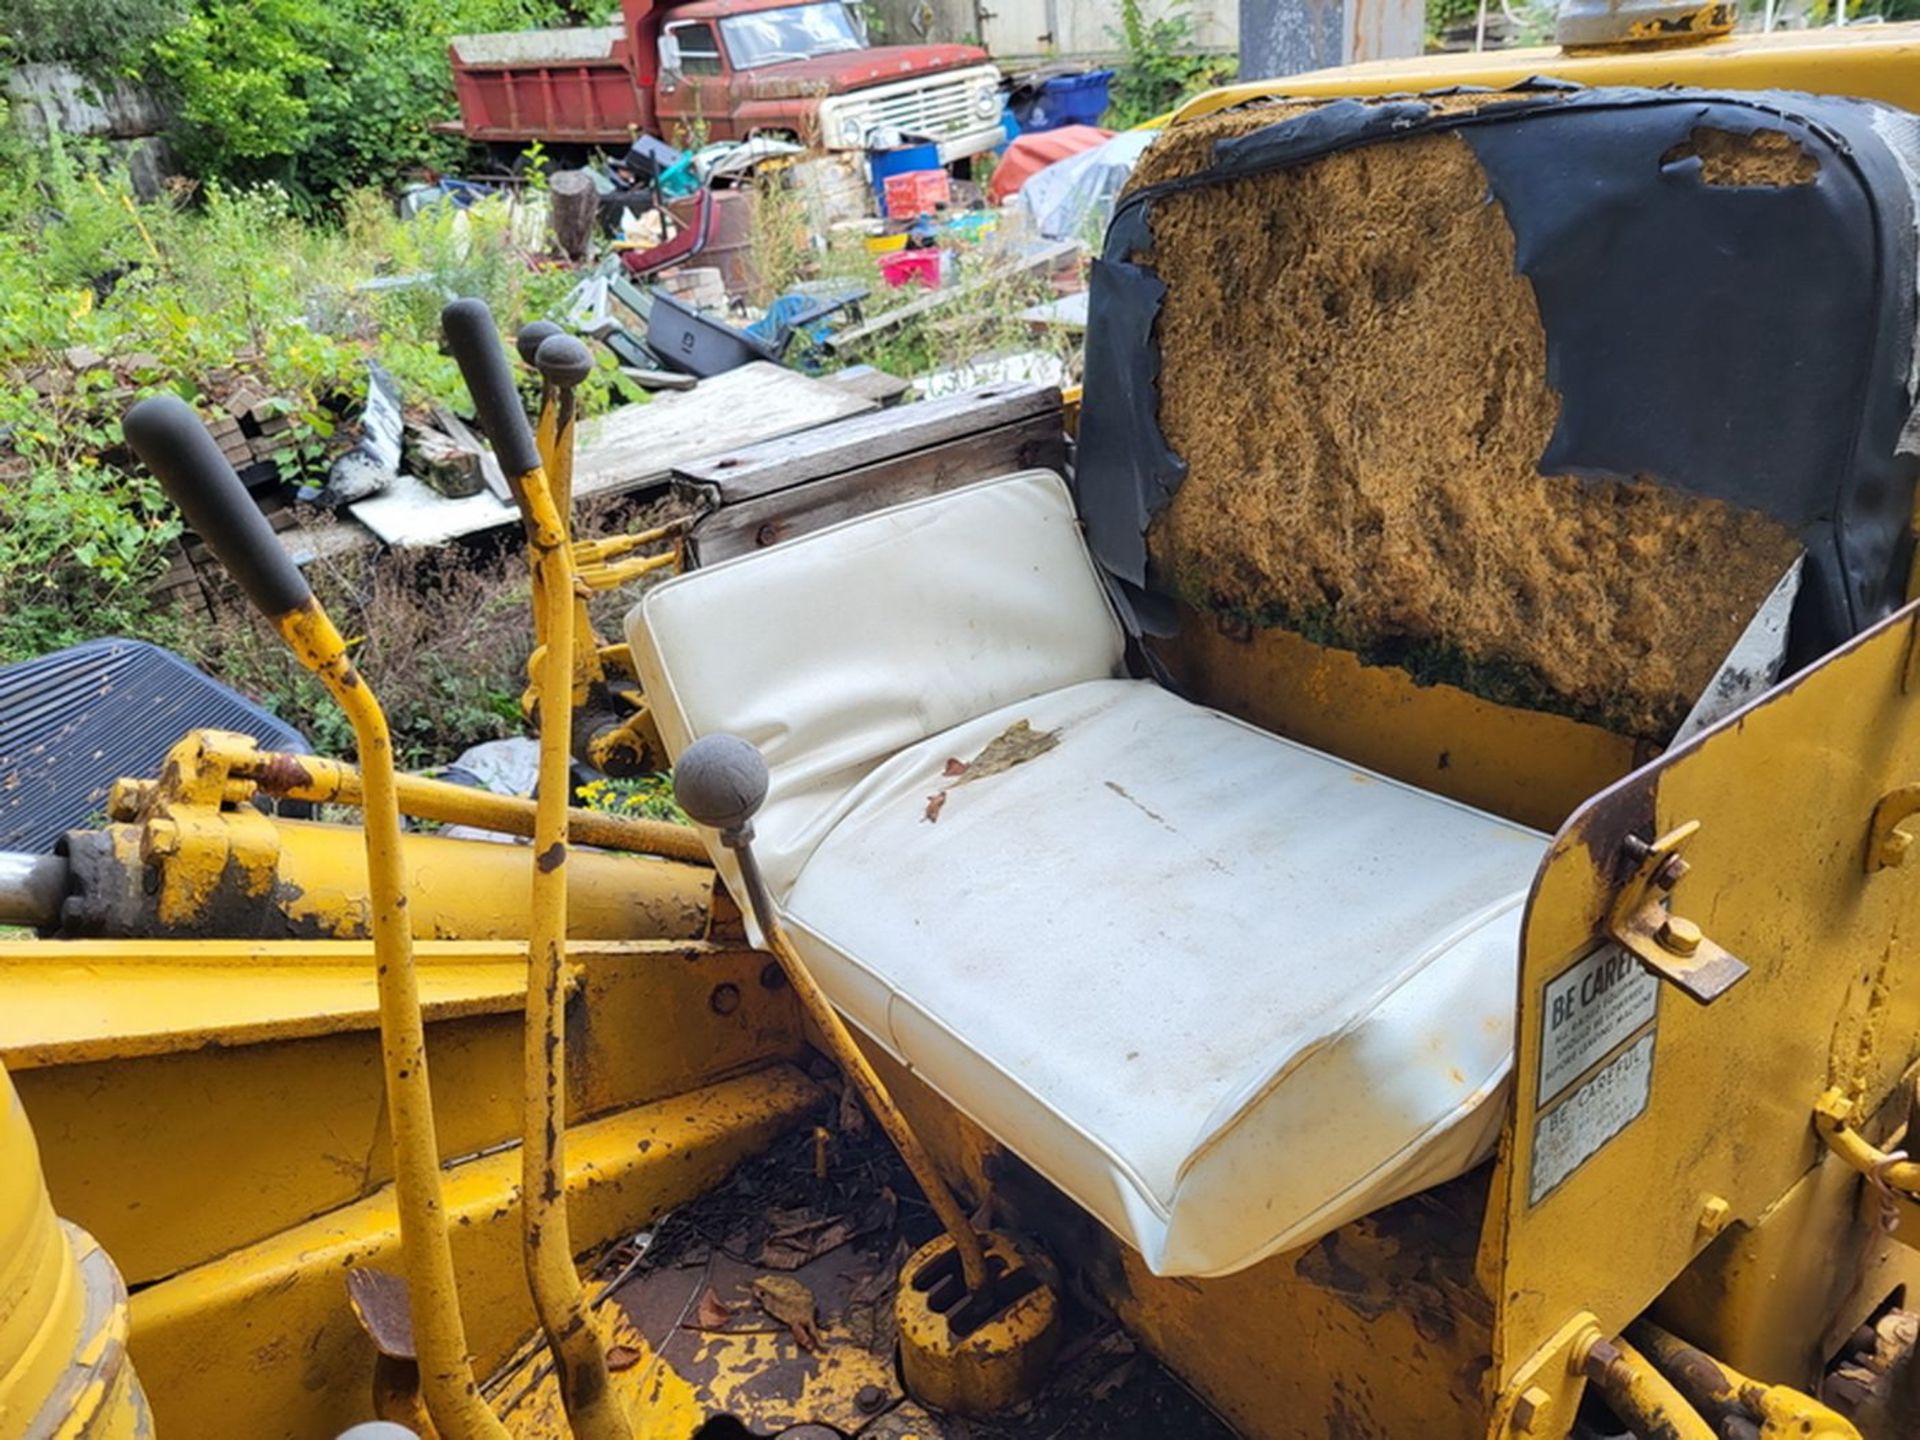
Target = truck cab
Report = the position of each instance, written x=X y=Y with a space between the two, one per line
x=724 y=70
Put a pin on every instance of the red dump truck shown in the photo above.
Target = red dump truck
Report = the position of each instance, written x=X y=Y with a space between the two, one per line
x=724 y=70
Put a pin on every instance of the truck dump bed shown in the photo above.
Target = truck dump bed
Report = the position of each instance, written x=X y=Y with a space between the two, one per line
x=577 y=84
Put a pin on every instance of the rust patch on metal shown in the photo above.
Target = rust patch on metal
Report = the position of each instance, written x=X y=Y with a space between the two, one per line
x=1415 y=1258
x=378 y=1299
x=552 y=858
x=279 y=773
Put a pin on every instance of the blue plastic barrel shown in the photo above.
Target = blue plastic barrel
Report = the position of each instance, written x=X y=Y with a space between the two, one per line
x=1070 y=100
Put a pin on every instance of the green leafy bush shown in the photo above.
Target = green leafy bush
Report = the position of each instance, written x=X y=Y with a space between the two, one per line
x=1160 y=69
x=322 y=98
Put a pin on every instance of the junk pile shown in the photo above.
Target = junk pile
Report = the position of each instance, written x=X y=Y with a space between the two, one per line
x=671 y=253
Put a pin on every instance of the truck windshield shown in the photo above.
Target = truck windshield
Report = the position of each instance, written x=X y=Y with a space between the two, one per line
x=794 y=32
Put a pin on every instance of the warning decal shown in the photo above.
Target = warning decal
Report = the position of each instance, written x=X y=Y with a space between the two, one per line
x=1566 y=1137
x=1588 y=1010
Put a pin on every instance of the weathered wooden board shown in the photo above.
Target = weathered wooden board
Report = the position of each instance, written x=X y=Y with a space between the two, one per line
x=790 y=487
x=633 y=448
x=739 y=474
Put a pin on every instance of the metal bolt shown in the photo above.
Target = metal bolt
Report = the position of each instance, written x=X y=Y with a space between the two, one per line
x=1526 y=1410
x=1671 y=872
x=766 y=534
x=1599 y=1359
x=724 y=1000
x=870 y=1399
x=1678 y=935
x=1714 y=1215
x=772 y=977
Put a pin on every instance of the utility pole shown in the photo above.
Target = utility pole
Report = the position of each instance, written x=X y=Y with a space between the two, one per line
x=1286 y=37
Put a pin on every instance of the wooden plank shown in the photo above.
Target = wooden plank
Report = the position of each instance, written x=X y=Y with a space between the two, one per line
x=1034 y=442
x=877 y=385
x=1043 y=257
x=741 y=474
x=634 y=448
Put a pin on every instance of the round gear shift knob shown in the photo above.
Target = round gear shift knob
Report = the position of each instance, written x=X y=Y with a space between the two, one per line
x=531 y=337
x=563 y=360
x=721 y=782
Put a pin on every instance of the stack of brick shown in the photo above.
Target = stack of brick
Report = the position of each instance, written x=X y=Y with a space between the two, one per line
x=252 y=430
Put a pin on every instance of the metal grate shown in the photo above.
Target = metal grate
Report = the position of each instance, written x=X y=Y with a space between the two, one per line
x=935 y=111
x=73 y=722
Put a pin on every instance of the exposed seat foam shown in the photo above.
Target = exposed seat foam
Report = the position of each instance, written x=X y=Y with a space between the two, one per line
x=1225 y=991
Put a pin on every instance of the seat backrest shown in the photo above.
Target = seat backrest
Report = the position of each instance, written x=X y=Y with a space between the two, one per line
x=1537 y=394
x=836 y=650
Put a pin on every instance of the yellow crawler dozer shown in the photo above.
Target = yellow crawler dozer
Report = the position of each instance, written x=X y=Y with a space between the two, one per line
x=1350 y=880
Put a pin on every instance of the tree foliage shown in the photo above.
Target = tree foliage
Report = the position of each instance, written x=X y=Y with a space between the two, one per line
x=322 y=96
x=100 y=37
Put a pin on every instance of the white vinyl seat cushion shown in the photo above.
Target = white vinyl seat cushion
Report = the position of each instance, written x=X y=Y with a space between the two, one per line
x=1224 y=991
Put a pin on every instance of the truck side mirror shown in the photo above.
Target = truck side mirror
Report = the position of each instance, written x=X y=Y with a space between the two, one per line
x=669 y=55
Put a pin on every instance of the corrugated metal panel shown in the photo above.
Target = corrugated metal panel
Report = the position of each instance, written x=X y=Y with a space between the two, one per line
x=73 y=722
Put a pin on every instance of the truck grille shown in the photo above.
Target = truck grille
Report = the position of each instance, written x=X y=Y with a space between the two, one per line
x=937 y=110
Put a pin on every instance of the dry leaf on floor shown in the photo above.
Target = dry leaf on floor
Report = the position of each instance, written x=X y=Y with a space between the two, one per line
x=791 y=1303
x=853 y=1116
x=622 y=1357
x=795 y=1246
x=712 y=1313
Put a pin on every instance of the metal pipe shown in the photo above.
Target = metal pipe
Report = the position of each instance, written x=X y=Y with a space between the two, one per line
x=578 y=1358
x=1730 y=1399
x=32 y=889
x=1644 y=1399
x=324 y=781
x=1892 y=1172
x=446 y=1375
x=165 y=432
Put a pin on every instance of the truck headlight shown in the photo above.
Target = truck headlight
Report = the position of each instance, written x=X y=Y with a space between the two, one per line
x=848 y=130
x=987 y=103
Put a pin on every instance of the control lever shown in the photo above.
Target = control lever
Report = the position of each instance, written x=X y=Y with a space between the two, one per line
x=166 y=433
x=592 y=1406
x=721 y=782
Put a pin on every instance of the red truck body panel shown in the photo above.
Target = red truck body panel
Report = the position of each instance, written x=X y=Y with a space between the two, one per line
x=598 y=85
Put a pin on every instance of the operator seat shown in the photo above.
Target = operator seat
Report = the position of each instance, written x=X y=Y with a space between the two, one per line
x=1224 y=991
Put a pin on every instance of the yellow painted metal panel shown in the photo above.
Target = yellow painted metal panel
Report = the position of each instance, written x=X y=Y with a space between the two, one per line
x=83 y=1000
x=1879 y=62
x=260 y=1343
x=1530 y=767
x=1719 y=1130
x=207 y=1143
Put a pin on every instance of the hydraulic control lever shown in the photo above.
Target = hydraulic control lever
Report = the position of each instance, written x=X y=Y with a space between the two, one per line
x=721 y=782
x=592 y=1405
x=166 y=433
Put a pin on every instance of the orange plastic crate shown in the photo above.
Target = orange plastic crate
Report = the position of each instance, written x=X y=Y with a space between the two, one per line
x=917 y=192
